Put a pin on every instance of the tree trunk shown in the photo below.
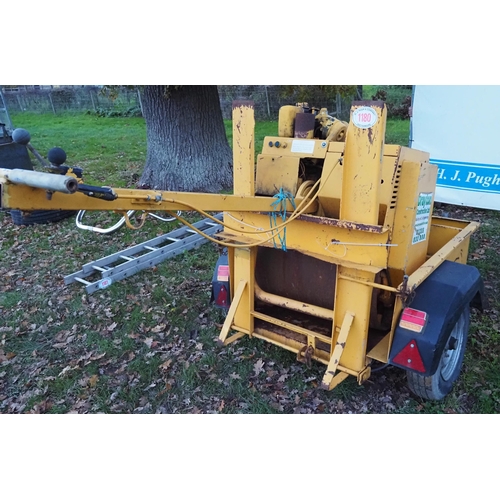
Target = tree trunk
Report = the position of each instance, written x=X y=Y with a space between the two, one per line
x=187 y=144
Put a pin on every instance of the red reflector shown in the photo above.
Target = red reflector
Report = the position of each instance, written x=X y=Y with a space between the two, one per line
x=410 y=357
x=221 y=299
x=412 y=319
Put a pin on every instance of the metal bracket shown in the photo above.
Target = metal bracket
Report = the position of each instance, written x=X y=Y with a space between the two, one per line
x=305 y=355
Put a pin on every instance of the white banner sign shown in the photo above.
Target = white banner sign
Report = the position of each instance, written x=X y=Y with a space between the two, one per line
x=459 y=125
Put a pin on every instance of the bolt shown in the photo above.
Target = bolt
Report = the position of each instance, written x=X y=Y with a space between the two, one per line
x=412 y=345
x=409 y=361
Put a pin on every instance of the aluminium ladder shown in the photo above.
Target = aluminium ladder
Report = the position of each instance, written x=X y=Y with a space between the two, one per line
x=125 y=263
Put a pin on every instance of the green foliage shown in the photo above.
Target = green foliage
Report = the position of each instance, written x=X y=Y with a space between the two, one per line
x=309 y=93
x=112 y=91
x=396 y=97
x=111 y=113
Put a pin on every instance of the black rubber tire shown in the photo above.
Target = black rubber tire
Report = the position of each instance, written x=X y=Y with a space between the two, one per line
x=439 y=385
x=40 y=216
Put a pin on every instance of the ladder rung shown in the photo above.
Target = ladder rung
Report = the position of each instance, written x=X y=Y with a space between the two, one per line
x=81 y=280
x=101 y=269
x=191 y=231
x=150 y=248
x=173 y=239
x=127 y=258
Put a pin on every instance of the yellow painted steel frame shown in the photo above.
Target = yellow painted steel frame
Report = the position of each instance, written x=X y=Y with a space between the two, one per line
x=358 y=243
x=360 y=252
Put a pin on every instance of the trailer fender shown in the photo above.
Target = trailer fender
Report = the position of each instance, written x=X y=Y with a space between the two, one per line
x=220 y=296
x=442 y=297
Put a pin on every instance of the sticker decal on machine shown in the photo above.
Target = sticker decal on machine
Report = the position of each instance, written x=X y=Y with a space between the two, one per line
x=302 y=146
x=422 y=218
x=364 y=117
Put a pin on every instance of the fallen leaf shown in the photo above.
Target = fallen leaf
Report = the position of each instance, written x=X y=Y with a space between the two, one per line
x=93 y=380
x=158 y=328
x=258 y=367
x=165 y=365
x=65 y=370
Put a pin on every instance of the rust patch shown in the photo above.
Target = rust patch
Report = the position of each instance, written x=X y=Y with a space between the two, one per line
x=304 y=124
x=239 y=104
x=370 y=135
x=373 y=104
x=289 y=275
x=358 y=226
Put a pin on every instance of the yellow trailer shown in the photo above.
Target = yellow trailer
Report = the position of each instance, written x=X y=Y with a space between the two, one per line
x=333 y=252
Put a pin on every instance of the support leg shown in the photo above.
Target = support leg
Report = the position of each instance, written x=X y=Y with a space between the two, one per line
x=330 y=380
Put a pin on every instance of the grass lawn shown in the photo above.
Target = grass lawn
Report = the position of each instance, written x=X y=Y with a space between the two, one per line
x=147 y=344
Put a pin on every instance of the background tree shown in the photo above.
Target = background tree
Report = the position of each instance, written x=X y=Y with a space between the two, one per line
x=187 y=148
x=318 y=95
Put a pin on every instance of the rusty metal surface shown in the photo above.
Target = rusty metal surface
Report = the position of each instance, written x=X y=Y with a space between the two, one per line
x=296 y=276
x=304 y=126
x=318 y=325
x=248 y=104
x=345 y=224
x=373 y=104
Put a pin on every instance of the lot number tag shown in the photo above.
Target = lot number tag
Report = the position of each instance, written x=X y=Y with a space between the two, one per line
x=364 y=117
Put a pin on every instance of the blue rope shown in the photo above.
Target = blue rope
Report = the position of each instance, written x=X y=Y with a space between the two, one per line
x=279 y=206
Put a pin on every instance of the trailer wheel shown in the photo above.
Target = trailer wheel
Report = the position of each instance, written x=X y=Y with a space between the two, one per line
x=439 y=385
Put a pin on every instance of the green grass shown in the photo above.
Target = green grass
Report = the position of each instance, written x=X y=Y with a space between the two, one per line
x=112 y=150
x=397 y=132
x=109 y=149
x=147 y=344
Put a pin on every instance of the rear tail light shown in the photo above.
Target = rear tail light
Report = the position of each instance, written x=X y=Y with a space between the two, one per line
x=223 y=273
x=413 y=319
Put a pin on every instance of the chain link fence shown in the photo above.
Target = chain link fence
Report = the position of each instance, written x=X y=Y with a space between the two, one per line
x=75 y=99
x=127 y=102
x=268 y=100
